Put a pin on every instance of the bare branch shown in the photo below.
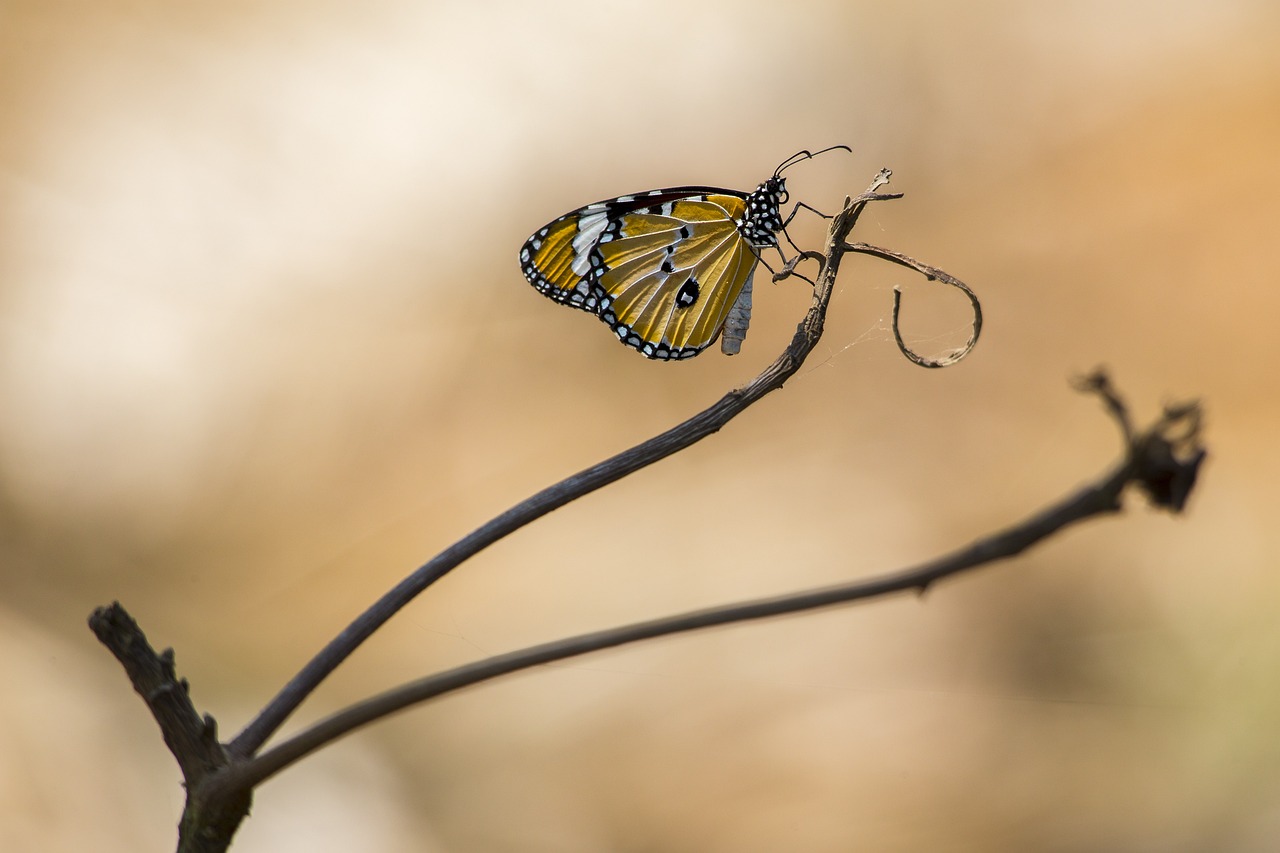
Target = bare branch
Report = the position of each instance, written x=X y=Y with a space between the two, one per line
x=1162 y=461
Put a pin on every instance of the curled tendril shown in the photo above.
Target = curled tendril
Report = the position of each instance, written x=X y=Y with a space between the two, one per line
x=933 y=274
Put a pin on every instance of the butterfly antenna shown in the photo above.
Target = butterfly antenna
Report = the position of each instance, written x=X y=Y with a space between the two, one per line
x=801 y=156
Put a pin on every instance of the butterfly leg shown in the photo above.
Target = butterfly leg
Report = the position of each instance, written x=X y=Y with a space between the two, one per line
x=796 y=210
x=789 y=264
x=792 y=216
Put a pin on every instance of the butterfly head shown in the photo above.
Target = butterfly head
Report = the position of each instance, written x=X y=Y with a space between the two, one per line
x=764 y=206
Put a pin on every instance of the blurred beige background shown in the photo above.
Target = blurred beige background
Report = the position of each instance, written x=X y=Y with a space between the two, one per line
x=265 y=347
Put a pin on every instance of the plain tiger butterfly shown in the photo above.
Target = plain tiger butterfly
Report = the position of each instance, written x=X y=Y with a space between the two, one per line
x=668 y=270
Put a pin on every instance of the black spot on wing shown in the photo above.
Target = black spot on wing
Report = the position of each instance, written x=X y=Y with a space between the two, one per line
x=688 y=293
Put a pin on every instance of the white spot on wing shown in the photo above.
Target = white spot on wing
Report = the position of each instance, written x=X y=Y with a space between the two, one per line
x=590 y=227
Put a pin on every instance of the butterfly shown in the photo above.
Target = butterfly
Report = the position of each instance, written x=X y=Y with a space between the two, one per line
x=668 y=270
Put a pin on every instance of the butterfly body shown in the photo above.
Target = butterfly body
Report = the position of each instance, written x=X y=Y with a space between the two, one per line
x=665 y=269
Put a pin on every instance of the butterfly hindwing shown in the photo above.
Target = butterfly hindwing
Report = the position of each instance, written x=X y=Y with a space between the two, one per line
x=670 y=277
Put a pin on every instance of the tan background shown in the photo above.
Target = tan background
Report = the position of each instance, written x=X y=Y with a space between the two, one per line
x=264 y=347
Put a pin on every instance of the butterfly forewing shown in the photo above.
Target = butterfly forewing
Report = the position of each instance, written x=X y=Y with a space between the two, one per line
x=548 y=258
